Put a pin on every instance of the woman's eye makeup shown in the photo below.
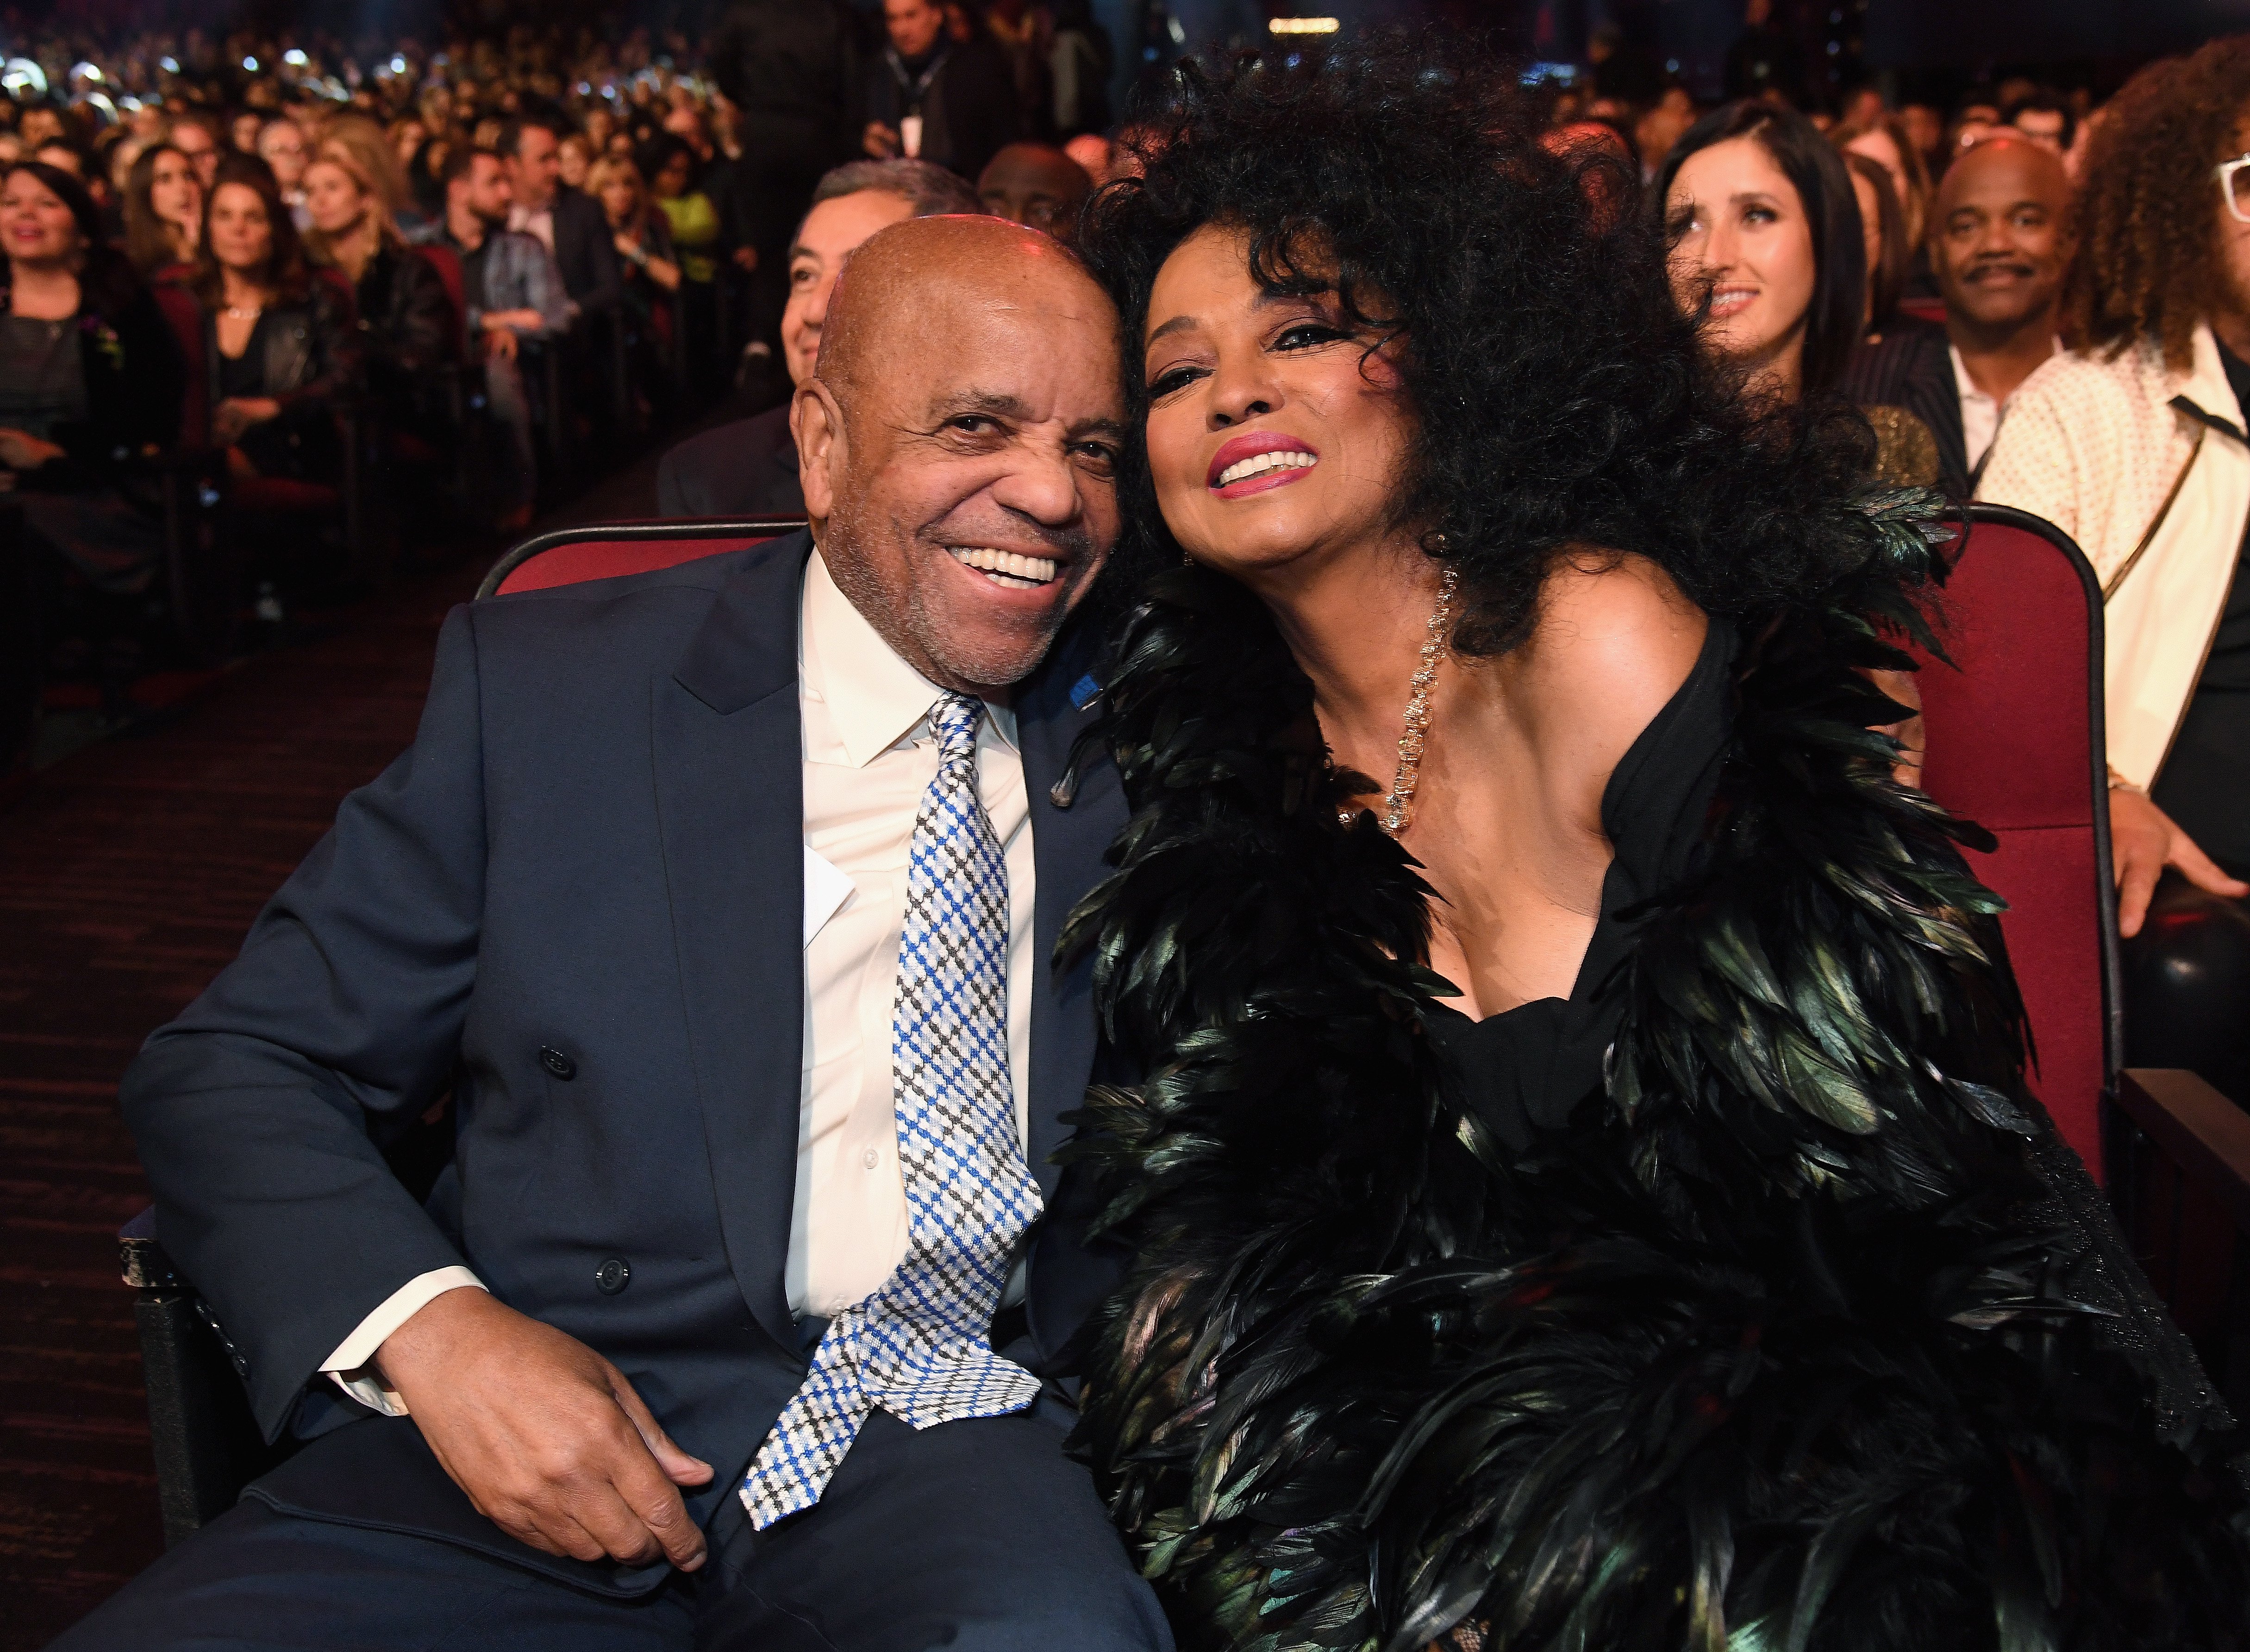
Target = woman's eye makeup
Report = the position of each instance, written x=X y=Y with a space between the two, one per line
x=1162 y=383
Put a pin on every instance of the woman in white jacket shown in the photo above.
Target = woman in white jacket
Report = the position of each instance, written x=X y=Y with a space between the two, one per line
x=2134 y=444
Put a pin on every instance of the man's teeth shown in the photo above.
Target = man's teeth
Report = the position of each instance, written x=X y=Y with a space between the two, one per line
x=1242 y=470
x=1005 y=567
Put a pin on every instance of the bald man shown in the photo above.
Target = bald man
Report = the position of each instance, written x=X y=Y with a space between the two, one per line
x=1999 y=245
x=721 y=901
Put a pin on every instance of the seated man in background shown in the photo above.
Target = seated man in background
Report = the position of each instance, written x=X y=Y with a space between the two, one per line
x=1036 y=185
x=2134 y=446
x=516 y=294
x=747 y=466
x=689 y=1163
x=1999 y=246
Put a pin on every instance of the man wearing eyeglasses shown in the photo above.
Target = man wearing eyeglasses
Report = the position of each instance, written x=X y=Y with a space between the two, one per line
x=2135 y=445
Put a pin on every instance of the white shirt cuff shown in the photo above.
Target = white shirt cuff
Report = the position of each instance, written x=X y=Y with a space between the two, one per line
x=352 y=1367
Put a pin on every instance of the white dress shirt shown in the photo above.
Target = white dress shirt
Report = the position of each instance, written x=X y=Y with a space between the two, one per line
x=1980 y=413
x=540 y=225
x=868 y=756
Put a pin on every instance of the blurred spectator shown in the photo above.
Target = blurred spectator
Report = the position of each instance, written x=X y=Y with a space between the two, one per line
x=1972 y=123
x=1024 y=31
x=90 y=383
x=281 y=146
x=2044 y=116
x=1079 y=66
x=749 y=467
x=1882 y=232
x=1095 y=154
x=164 y=211
x=1884 y=141
x=790 y=70
x=278 y=342
x=40 y=123
x=1036 y=185
x=563 y=221
x=574 y=158
x=930 y=98
x=514 y=293
x=2132 y=444
x=406 y=321
x=1766 y=244
x=644 y=240
x=242 y=132
x=692 y=226
x=196 y=135
x=65 y=156
x=1661 y=127
x=1924 y=126
x=1764 y=62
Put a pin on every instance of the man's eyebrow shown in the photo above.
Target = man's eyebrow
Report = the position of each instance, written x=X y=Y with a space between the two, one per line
x=999 y=403
x=802 y=251
x=1098 y=427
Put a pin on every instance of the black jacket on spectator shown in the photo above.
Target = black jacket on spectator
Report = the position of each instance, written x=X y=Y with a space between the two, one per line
x=305 y=354
x=970 y=112
x=407 y=328
x=134 y=384
x=791 y=69
x=1910 y=364
x=585 y=254
x=746 y=468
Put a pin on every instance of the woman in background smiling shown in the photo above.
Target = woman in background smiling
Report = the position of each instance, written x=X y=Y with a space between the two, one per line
x=1766 y=244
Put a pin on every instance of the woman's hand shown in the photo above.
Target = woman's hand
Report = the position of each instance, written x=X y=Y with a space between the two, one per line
x=2142 y=842
x=19 y=449
x=238 y=413
x=628 y=249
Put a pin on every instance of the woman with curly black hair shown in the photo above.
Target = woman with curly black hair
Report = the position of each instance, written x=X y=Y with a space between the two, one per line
x=1583 y=1187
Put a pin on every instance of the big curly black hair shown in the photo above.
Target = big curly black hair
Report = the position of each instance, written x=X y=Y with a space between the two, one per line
x=1561 y=397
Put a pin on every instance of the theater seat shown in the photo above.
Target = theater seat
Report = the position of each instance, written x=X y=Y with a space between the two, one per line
x=2015 y=741
x=607 y=550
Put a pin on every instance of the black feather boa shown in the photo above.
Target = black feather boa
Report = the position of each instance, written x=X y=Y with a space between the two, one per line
x=1808 y=1334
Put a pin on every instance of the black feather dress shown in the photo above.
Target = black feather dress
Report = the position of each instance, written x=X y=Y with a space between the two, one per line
x=1744 y=1300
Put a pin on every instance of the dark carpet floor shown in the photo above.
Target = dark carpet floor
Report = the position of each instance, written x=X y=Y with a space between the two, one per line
x=128 y=872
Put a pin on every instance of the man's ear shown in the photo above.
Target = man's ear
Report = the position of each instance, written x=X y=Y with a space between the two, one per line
x=818 y=425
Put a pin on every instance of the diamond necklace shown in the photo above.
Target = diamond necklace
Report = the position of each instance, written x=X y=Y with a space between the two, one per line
x=1399 y=801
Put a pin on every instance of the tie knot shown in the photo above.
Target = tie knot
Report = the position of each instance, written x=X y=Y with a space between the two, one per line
x=953 y=720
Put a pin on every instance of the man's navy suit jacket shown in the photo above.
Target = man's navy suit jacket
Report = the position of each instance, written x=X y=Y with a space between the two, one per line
x=576 y=902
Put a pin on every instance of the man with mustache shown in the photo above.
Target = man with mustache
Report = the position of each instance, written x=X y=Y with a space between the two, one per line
x=1999 y=246
x=721 y=900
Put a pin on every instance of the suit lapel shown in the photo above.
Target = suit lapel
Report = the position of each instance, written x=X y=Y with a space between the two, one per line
x=1067 y=845
x=729 y=791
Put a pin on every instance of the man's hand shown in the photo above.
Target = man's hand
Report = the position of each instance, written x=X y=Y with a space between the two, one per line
x=880 y=141
x=21 y=450
x=501 y=345
x=236 y=415
x=2142 y=842
x=548 y=1440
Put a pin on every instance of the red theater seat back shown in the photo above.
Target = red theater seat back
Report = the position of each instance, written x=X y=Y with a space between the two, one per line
x=2015 y=743
x=607 y=550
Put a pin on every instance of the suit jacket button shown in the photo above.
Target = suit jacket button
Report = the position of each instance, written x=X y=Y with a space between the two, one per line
x=557 y=1063
x=613 y=1275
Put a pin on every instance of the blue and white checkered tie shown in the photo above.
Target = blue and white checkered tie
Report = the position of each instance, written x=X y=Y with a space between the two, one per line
x=919 y=1346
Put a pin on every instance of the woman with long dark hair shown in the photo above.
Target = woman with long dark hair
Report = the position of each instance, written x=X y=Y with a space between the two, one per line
x=278 y=343
x=1767 y=248
x=1581 y=1179
x=164 y=211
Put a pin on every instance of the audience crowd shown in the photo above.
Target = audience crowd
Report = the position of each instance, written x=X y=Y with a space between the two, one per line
x=272 y=305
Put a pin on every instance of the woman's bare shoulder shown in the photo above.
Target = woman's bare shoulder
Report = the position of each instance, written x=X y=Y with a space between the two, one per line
x=1614 y=640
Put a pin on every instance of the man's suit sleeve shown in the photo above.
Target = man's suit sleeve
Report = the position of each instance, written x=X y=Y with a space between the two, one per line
x=257 y=1111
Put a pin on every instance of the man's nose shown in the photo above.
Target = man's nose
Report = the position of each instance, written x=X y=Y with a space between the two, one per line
x=1040 y=484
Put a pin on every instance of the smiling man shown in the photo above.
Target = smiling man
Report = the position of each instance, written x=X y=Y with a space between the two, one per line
x=721 y=900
